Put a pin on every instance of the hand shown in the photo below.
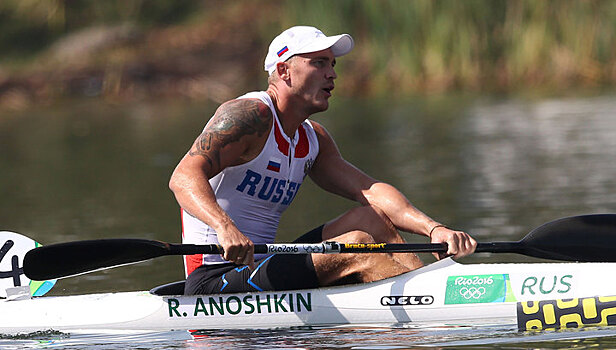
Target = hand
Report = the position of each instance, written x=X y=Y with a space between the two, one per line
x=459 y=243
x=238 y=249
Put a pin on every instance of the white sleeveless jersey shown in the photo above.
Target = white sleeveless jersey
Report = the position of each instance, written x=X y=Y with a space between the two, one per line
x=255 y=194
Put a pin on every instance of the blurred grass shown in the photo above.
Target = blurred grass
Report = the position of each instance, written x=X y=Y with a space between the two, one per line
x=402 y=47
x=474 y=44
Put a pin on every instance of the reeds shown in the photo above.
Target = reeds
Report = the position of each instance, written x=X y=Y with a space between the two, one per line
x=437 y=45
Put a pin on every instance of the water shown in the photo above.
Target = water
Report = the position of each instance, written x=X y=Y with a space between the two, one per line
x=374 y=338
x=495 y=167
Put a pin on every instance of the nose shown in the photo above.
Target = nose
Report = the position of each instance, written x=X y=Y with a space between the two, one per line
x=331 y=73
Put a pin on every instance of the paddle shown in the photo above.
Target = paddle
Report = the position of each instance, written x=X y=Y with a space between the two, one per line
x=13 y=283
x=577 y=238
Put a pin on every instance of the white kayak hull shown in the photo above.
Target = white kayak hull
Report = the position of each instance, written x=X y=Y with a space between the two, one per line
x=529 y=296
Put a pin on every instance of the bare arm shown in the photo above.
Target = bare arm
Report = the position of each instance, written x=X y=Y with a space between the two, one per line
x=233 y=136
x=331 y=172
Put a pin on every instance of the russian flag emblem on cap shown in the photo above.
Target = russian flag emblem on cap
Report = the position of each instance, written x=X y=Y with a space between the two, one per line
x=281 y=52
x=274 y=165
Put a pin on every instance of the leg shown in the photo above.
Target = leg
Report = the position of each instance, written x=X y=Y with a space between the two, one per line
x=276 y=272
x=337 y=269
x=373 y=221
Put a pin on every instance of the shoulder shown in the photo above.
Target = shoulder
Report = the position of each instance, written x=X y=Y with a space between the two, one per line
x=249 y=112
x=319 y=129
x=234 y=135
x=323 y=135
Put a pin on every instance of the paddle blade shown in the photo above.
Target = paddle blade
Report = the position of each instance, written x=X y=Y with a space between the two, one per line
x=13 y=248
x=73 y=258
x=590 y=238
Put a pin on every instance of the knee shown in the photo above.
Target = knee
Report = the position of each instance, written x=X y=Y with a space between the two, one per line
x=368 y=219
x=369 y=215
x=373 y=220
x=356 y=237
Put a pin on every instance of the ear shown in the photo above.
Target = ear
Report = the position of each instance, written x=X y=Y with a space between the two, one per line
x=283 y=70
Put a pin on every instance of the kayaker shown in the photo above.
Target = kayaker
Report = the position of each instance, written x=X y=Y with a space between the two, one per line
x=248 y=164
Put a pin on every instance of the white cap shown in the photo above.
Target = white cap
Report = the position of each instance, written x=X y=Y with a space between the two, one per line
x=304 y=39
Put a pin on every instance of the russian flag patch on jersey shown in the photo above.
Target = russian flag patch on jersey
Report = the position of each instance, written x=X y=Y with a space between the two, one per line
x=274 y=165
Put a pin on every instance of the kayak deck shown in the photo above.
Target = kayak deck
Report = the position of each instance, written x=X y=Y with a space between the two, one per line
x=529 y=296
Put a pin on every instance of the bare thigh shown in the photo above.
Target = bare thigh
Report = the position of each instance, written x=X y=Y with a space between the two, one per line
x=373 y=221
x=365 y=218
x=337 y=269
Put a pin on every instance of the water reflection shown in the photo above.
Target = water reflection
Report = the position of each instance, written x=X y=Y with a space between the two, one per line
x=540 y=160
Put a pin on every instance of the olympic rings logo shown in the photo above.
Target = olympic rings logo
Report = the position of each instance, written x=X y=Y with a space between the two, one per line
x=313 y=249
x=472 y=292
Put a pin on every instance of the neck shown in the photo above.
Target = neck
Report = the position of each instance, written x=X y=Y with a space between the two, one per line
x=290 y=118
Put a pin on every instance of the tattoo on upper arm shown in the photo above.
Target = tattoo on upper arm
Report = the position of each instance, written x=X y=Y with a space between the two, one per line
x=232 y=121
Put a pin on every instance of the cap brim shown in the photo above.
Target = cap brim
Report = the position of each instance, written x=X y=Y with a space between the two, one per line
x=343 y=45
x=340 y=45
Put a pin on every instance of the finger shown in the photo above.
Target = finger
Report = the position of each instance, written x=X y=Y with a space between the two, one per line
x=229 y=254
x=453 y=245
x=470 y=243
x=246 y=255
x=240 y=258
x=250 y=256
x=467 y=245
x=442 y=256
x=232 y=253
x=473 y=244
x=250 y=261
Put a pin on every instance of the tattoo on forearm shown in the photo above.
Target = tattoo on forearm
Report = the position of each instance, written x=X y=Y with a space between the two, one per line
x=231 y=122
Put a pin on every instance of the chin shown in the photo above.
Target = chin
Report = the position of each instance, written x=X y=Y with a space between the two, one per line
x=318 y=110
x=321 y=106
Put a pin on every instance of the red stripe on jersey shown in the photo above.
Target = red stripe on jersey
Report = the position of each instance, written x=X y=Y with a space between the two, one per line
x=283 y=145
x=303 y=146
x=182 y=220
x=192 y=262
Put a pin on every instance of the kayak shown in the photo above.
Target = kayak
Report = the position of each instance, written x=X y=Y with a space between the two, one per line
x=529 y=296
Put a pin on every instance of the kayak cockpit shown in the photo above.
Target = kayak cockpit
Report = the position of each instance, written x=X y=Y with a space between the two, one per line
x=173 y=288
x=177 y=288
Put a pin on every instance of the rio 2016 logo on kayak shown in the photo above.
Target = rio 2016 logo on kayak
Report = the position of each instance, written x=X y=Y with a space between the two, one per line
x=472 y=289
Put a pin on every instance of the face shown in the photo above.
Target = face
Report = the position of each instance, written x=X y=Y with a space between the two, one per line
x=311 y=78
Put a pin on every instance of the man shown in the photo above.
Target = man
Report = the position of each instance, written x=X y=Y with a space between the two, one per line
x=246 y=167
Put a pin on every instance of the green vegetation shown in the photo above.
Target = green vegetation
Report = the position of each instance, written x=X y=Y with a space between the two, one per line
x=474 y=44
x=29 y=26
x=402 y=47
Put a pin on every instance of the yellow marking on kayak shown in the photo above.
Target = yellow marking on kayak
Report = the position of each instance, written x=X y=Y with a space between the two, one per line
x=530 y=307
x=565 y=304
x=548 y=313
x=590 y=308
x=604 y=316
x=533 y=325
x=567 y=313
